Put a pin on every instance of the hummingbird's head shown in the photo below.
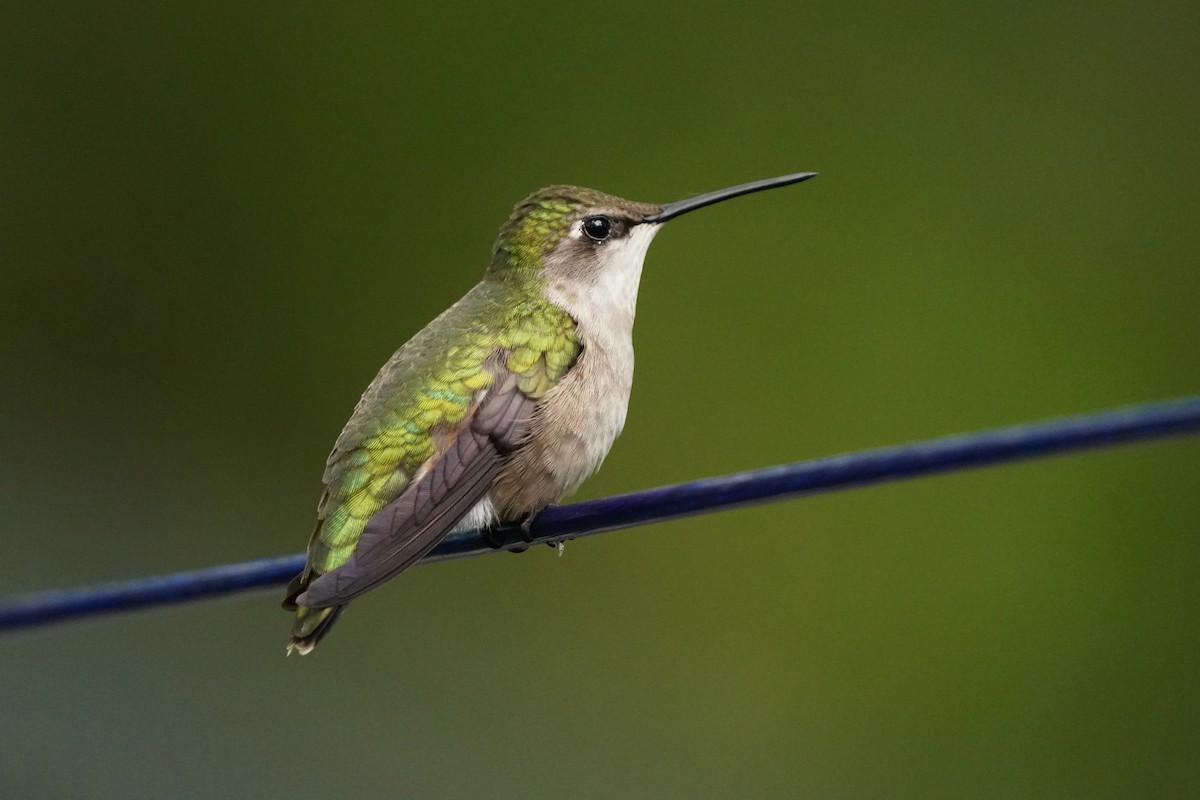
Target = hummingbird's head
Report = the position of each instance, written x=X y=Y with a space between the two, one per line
x=583 y=231
x=589 y=246
x=567 y=228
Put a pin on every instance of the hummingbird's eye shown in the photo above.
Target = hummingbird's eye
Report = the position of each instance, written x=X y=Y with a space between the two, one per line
x=597 y=228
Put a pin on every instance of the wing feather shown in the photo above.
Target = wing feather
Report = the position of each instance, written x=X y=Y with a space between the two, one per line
x=403 y=531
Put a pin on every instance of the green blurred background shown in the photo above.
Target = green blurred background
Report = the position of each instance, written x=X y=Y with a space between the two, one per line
x=217 y=221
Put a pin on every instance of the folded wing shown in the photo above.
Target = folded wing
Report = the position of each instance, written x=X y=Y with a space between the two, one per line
x=447 y=487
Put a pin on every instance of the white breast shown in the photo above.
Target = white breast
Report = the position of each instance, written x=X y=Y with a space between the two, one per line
x=581 y=417
x=597 y=390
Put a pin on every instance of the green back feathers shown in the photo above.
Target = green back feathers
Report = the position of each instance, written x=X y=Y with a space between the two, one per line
x=423 y=393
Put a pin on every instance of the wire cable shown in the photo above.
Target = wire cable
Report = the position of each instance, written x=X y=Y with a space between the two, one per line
x=981 y=448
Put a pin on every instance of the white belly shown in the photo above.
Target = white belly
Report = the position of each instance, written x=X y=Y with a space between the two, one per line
x=578 y=421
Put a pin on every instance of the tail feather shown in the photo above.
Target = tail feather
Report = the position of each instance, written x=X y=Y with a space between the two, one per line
x=312 y=624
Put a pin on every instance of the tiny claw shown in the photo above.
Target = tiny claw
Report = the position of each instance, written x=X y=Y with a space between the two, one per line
x=499 y=537
x=527 y=528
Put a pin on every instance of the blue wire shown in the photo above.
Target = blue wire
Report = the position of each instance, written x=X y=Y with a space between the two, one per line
x=1151 y=420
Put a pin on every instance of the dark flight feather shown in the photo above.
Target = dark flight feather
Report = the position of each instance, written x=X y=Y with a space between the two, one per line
x=400 y=533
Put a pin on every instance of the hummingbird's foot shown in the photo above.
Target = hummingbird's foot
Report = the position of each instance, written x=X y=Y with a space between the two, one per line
x=527 y=527
x=504 y=535
x=524 y=528
x=492 y=537
x=527 y=533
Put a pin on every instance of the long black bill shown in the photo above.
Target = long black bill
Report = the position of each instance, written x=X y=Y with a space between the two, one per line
x=672 y=210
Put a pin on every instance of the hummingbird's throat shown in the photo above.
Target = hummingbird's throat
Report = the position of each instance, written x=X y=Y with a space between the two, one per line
x=609 y=300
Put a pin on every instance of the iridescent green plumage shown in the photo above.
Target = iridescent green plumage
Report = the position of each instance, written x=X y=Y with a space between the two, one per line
x=427 y=390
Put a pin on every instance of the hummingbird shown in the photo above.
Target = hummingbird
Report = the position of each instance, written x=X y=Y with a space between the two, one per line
x=500 y=407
